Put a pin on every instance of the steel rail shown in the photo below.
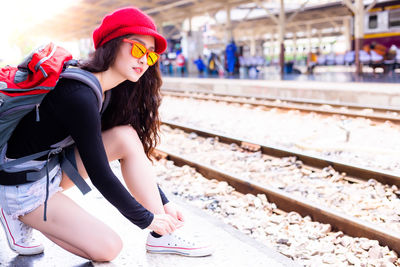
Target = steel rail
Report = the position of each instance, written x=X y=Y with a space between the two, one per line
x=293 y=100
x=354 y=171
x=299 y=105
x=284 y=201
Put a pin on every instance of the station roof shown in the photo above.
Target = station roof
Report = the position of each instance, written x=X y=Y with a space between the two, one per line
x=79 y=20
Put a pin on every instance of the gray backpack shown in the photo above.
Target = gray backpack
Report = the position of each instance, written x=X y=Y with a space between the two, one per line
x=21 y=90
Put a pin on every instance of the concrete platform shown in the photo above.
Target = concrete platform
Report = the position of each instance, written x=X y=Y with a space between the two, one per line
x=387 y=94
x=232 y=247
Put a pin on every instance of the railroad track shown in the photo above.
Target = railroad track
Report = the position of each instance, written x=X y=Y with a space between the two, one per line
x=375 y=113
x=287 y=202
x=354 y=172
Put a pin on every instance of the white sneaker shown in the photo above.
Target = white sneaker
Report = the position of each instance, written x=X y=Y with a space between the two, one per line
x=19 y=236
x=174 y=244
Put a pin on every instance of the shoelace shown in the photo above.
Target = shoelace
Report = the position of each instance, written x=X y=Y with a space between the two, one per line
x=25 y=232
x=186 y=241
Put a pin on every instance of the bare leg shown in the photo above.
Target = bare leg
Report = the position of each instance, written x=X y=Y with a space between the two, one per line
x=75 y=230
x=81 y=236
x=122 y=142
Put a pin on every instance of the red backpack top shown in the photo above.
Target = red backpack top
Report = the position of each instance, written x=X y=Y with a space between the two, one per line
x=37 y=74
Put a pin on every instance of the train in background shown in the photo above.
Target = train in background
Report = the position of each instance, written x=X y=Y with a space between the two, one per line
x=381 y=43
x=382 y=24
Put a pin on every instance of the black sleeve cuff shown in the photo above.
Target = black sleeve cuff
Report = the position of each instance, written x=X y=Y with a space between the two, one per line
x=164 y=199
x=145 y=223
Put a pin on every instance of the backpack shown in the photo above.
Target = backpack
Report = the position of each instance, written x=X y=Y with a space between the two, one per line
x=21 y=90
x=211 y=65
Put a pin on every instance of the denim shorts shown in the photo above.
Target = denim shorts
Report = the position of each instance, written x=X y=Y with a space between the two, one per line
x=19 y=200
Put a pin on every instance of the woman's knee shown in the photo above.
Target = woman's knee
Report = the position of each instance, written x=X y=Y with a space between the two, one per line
x=107 y=250
x=126 y=138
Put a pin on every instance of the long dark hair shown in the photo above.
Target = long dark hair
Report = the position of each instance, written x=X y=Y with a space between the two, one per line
x=132 y=103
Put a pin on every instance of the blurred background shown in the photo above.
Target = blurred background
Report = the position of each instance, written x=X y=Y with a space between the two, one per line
x=236 y=38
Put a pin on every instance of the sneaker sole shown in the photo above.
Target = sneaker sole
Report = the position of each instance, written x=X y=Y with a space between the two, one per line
x=166 y=250
x=10 y=240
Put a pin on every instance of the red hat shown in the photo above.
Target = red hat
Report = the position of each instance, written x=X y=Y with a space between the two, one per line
x=124 y=21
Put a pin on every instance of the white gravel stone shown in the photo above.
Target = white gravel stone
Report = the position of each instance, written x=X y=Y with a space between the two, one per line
x=370 y=144
x=370 y=201
x=292 y=235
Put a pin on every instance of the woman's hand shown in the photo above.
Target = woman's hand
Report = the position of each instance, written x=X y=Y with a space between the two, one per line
x=164 y=224
x=173 y=210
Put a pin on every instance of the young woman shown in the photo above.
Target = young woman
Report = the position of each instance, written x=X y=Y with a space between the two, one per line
x=126 y=62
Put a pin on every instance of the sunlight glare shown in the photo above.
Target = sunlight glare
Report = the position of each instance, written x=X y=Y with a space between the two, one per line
x=20 y=15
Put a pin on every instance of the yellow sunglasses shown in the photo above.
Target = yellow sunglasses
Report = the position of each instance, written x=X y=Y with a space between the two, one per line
x=139 y=50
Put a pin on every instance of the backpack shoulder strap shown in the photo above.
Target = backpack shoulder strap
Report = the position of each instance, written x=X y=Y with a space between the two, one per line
x=87 y=78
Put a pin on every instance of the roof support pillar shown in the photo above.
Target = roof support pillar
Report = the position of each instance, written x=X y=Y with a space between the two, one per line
x=347 y=33
x=320 y=41
x=190 y=26
x=294 y=46
x=359 y=32
x=309 y=36
x=253 y=47
x=272 y=46
x=281 y=37
x=160 y=27
x=358 y=10
x=229 y=30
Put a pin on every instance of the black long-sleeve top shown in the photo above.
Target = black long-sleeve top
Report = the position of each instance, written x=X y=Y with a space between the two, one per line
x=72 y=109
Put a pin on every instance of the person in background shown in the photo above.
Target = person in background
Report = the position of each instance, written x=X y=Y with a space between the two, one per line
x=376 y=47
x=212 y=66
x=200 y=65
x=180 y=63
x=230 y=57
x=311 y=62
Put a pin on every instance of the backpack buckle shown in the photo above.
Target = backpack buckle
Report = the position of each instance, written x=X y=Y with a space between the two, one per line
x=55 y=151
